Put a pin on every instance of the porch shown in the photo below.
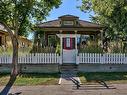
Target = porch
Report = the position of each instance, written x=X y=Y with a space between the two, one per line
x=68 y=36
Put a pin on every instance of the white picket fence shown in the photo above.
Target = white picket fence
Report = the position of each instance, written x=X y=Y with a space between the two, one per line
x=114 y=58
x=43 y=58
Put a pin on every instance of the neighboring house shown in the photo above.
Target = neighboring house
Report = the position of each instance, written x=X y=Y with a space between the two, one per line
x=5 y=40
x=3 y=36
x=24 y=42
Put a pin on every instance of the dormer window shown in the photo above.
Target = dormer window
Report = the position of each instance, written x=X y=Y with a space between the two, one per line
x=68 y=23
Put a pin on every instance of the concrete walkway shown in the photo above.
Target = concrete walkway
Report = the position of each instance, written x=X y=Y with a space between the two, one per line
x=66 y=78
x=121 y=89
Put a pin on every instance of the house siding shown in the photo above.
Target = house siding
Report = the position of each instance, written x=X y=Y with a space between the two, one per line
x=6 y=41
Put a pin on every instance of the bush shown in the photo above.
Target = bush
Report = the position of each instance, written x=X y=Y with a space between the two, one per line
x=91 y=49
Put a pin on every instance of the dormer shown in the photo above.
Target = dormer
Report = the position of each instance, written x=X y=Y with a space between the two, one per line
x=68 y=20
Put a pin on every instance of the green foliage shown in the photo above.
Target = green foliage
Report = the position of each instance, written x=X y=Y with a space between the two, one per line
x=52 y=40
x=21 y=51
x=91 y=49
x=43 y=50
x=58 y=48
x=7 y=51
x=110 y=13
x=20 y=15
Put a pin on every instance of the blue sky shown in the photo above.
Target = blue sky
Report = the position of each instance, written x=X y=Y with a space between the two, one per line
x=69 y=7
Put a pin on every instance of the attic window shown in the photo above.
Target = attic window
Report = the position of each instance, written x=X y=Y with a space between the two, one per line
x=68 y=23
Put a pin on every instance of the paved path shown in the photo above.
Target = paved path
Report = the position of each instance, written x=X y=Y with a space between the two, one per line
x=67 y=77
x=121 y=89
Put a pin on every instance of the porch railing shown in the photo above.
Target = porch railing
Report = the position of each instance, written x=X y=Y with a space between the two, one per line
x=115 y=58
x=36 y=58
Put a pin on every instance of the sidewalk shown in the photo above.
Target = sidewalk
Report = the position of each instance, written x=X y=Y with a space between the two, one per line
x=121 y=89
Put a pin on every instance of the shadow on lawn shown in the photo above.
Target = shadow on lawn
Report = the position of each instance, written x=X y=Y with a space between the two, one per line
x=109 y=76
x=8 y=86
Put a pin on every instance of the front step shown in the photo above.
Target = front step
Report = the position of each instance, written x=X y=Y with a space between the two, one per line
x=68 y=68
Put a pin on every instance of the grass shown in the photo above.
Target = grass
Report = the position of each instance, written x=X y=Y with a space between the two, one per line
x=109 y=77
x=31 y=79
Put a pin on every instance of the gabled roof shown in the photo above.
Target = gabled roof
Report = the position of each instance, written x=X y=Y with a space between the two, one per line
x=53 y=23
x=69 y=16
x=84 y=23
x=56 y=23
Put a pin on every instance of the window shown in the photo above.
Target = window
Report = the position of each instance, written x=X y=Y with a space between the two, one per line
x=52 y=40
x=68 y=23
x=68 y=42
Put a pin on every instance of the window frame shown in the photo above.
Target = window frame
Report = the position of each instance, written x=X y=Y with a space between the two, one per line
x=68 y=23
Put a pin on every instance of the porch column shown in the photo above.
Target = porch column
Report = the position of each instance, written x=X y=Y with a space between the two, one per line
x=77 y=57
x=61 y=48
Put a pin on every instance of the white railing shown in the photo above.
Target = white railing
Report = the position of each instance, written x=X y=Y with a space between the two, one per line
x=36 y=58
x=114 y=58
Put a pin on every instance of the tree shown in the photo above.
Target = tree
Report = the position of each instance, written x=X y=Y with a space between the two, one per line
x=16 y=16
x=110 y=13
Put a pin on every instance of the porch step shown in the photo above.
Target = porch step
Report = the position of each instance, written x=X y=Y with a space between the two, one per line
x=68 y=68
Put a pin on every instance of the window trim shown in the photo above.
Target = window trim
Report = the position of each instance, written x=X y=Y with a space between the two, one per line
x=68 y=23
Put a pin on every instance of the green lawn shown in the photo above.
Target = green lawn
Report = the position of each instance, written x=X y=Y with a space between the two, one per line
x=107 y=77
x=32 y=79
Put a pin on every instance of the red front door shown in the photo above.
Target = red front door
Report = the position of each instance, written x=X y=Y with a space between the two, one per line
x=69 y=53
x=68 y=43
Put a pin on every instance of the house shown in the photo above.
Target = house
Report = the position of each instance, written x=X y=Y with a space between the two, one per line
x=3 y=34
x=24 y=42
x=5 y=40
x=71 y=32
x=67 y=35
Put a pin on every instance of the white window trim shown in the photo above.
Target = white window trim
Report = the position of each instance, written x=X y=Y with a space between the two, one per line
x=68 y=22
